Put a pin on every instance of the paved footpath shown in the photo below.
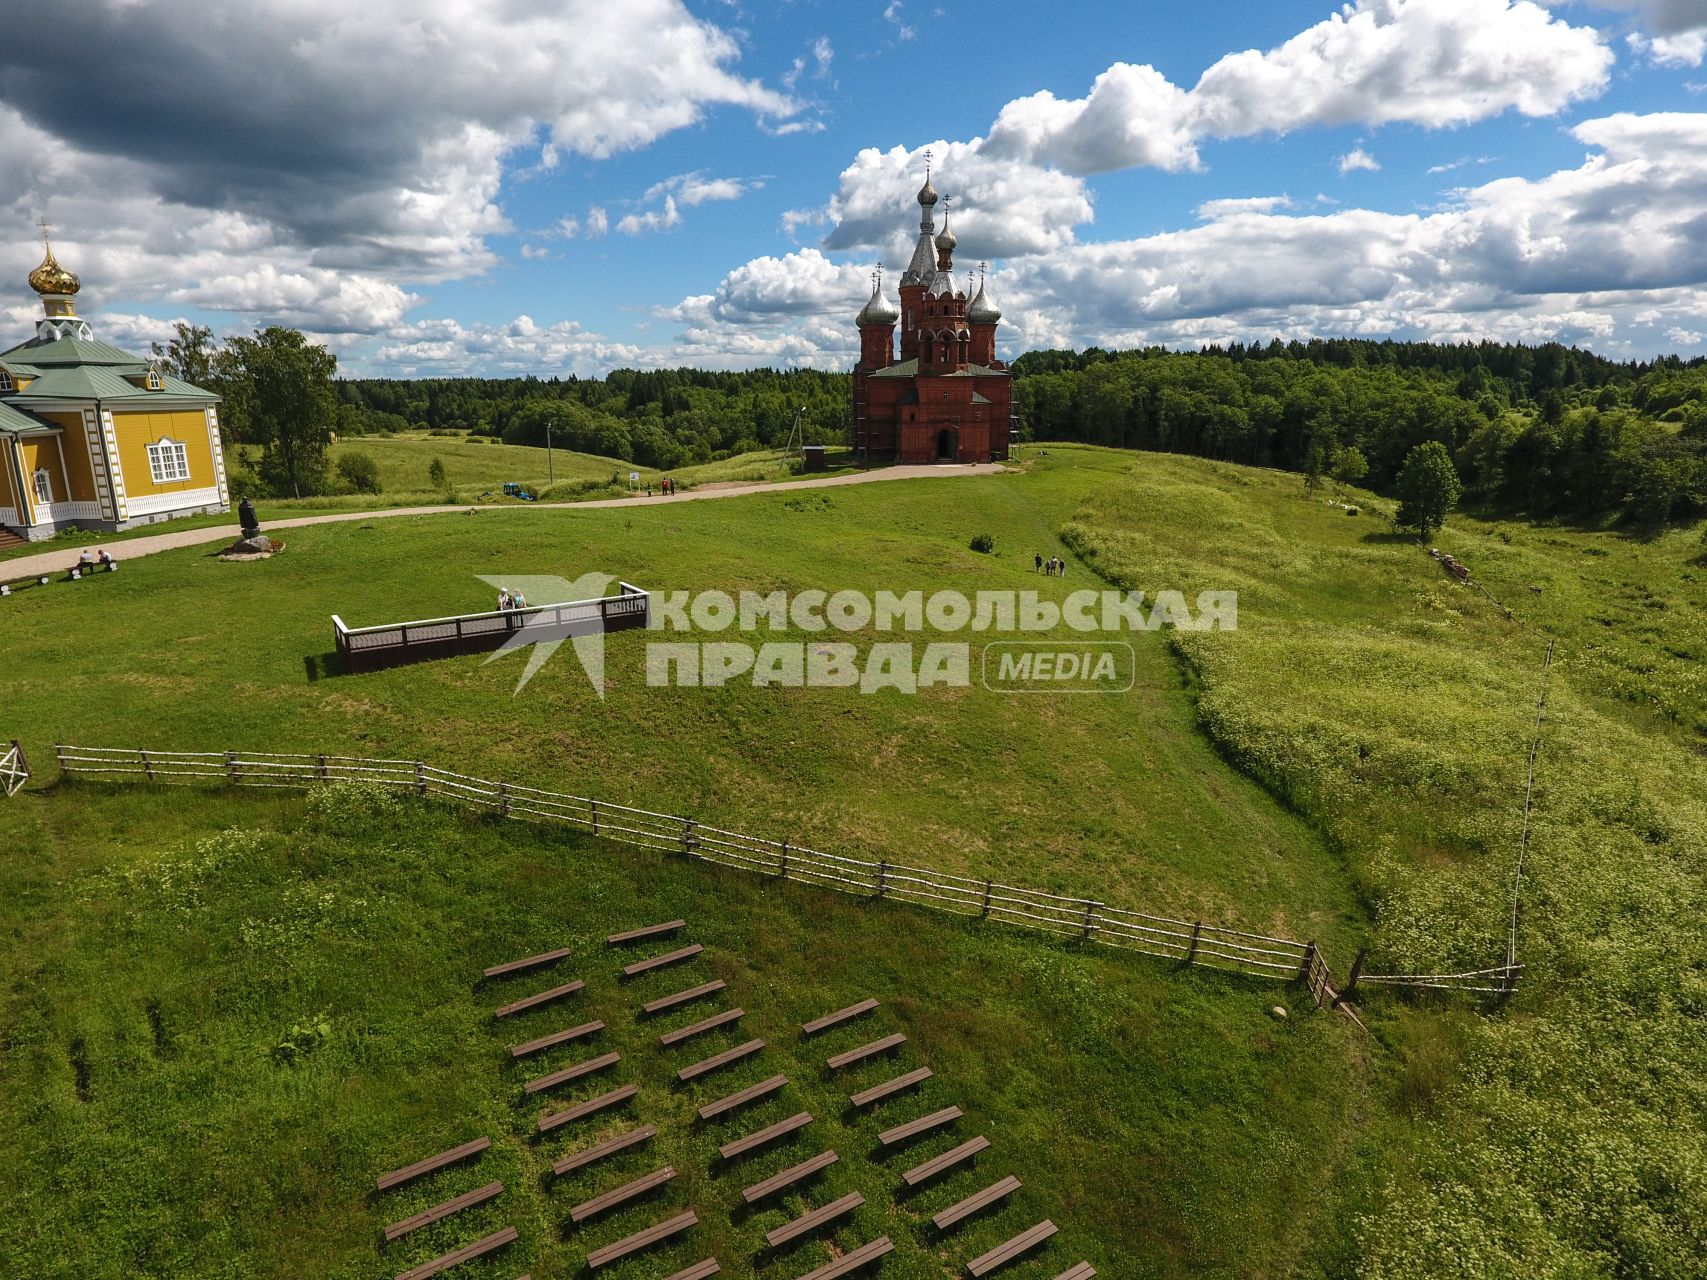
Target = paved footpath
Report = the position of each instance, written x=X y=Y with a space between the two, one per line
x=129 y=549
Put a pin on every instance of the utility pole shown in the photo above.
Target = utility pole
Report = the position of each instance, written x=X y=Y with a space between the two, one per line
x=549 y=475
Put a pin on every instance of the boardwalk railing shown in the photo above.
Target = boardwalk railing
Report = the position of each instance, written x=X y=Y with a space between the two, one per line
x=14 y=769
x=1192 y=942
x=396 y=643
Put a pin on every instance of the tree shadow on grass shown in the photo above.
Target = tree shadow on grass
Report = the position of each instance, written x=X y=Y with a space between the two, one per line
x=1387 y=537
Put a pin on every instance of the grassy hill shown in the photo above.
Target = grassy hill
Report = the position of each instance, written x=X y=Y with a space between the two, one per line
x=1346 y=766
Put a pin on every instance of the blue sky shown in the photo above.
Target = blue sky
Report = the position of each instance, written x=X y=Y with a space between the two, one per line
x=450 y=186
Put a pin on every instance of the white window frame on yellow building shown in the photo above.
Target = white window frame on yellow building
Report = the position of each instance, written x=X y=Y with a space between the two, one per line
x=166 y=451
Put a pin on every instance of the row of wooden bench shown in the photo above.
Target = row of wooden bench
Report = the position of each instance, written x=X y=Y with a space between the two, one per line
x=893 y=1137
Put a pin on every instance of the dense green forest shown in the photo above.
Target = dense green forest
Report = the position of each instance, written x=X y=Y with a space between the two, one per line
x=663 y=418
x=1543 y=430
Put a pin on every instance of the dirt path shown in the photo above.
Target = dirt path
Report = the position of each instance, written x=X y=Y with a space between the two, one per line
x=129 y=549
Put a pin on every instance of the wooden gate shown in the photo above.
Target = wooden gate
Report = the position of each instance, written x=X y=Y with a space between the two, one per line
x=14 y=769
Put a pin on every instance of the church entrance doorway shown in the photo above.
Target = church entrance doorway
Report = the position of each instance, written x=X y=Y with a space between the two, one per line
x=946 y=445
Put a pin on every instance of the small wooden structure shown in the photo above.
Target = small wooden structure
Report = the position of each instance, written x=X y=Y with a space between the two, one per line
x=658 y=962
x=14 y=769
x=623 y=1194
x=572 y=1072
x=655 y=1234
x=837 y=1018
x=581 y=1109
x=837 y=1061
x=788 y=1177
x=398 y=643
x=649 y=931
x=479 y=1249
x=974 y=1203
x=752 y=1093
x=699 y=1271
x=917 y=1128
x=408 y=1173
x=1006 y=1252
x=683 y=997
x=701 y=1027
x=556 y=1038
x=533 y=1002
x=609 y=1147
x=764 y=1137
x=720 y=1060
x=889 y=1088
x=527 y=962
x=810 y=1222
x=851 y=1262
x=439 y=1212
x=937 y=1165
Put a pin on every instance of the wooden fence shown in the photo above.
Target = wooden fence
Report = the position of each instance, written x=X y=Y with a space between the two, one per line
x=14 y=769
x=1192 y=942
x=394 y=644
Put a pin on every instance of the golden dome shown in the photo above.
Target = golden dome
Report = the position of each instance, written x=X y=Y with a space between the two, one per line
x=51 y=278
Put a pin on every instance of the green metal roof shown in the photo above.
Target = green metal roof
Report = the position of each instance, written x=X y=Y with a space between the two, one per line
x=14 y=423
x=74 y=351
x=103 y=382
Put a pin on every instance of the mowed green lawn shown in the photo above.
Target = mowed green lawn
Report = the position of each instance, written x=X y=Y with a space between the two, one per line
x=160 y=946
x=1119 y=796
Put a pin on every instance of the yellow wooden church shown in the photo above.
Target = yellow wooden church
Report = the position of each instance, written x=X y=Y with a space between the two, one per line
x=96 y=437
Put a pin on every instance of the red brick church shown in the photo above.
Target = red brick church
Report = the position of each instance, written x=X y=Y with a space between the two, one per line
x=947 y=399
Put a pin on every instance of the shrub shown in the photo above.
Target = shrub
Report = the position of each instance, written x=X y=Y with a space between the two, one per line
x=436 y=473
x=360 y=472
x=984 y=543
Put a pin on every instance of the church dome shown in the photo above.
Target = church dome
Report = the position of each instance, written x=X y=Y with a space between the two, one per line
x=877 y=310
x=927 y=193
x=981 y=310
x=51 y=278
x=945 y=240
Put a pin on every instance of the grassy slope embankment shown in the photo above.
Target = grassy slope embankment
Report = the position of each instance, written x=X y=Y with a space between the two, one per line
x=158 y=945
x=1566 y=1135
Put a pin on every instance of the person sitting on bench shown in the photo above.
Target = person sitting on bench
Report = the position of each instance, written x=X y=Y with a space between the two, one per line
x=104 y=557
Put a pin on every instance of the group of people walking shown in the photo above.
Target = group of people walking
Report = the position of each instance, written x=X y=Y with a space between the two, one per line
x=1055 y=566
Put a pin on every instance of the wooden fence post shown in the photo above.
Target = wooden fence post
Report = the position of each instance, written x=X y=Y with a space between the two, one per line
x=421 y=776
x=504 y=798
x=1356 y=970
x=687 y=837
x=595 y=807
x=322 y=767
x=147 y=767
x=883 y=877
x=59 y=754
x=989 y=885
x=782 y=861
x=1090 y=919
x=231 y=767
x=1308 y=961
x=1191 y=952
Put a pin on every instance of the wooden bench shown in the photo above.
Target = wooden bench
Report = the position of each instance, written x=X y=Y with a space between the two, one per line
x=837 y=1018
x=920 y=1174
x=649 y=931
x=682 y=997
x=752 y=1093
x=587 y=1108
x=658 y=962
x=924 y=1124
x=609 y=1147
x=573 y=1072
x=556 y=1038
x=1078 y=1271
x=763 y=1137
x=1003 y=1254
x=837 y=1061
x=809 y=1222
x=621 y=1195
x=788 y=1177
x=992 y=1194
x=720 y=1060
x=479 y=1249
x=849 y=1263
x=655 y=1234
x=528 y=962
x=878 y=1092
x=544 y=997
x=421 y=1168
x=700 y=1028
x=480 y=1195
x=699 y=1271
